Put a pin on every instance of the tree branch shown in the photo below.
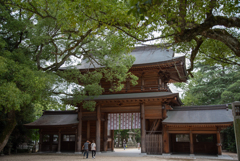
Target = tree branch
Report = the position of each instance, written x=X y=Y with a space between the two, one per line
x=194 y=54
x=226 y=38
x=210 y=22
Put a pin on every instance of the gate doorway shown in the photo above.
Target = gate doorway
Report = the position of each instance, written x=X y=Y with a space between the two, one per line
x=131 y=121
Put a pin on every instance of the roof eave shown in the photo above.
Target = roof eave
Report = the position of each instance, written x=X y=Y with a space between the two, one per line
x=46 y=126
x=187 y=123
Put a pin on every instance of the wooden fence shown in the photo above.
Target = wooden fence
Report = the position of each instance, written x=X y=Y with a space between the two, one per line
x=154 y=143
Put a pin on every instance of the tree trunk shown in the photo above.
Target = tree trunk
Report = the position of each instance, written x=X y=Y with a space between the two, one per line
x=10 y=125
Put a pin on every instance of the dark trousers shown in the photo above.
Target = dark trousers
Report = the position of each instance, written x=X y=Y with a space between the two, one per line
x=85 y=151
x=93 y=153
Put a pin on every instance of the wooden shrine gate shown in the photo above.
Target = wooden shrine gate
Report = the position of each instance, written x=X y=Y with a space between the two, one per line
x=154 y=143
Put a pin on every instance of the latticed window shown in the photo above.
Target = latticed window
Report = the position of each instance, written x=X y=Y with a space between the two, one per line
x=237 y=110
x=68 y=137
x=46 y=138
x=55 y=138
x=182 y=138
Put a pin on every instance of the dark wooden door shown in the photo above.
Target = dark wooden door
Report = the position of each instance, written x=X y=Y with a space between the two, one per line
x=68 y=143
x=205 y=144
x=154 y=143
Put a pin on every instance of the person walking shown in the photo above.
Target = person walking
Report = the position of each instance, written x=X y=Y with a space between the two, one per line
x=85 y=146
x=138 y=145
x=124 y=144
x=93 y=148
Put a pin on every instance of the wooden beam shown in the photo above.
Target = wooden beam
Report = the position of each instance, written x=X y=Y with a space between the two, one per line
x=79 y=133
x=151 y=117
x=128 y=109
x=98 y=128
x=188 y=132
x=204 y=132
x=143 y=129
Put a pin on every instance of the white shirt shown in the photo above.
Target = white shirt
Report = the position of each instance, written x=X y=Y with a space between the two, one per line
x=93 y=146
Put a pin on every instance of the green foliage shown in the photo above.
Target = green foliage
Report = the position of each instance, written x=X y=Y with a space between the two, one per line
x=124 y=134
x=89 y=105
x=38 y=37
x=61 y=32
x=212 y=85
x=138 y=135
x=229 y=139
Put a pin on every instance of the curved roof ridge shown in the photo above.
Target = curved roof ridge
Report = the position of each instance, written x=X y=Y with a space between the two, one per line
x=144 y=55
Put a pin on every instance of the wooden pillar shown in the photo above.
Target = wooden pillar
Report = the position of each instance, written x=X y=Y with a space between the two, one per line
x=143 y=129
x=40 y=141
x=165 y=140
x=191 y=143
x=105 y=146
x=79 y=133
x=88 y=130
x=98 y=128
x=219 y=145
x=59 y=141
x=112 y=135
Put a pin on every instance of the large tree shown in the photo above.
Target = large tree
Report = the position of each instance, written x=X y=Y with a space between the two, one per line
x=38 y=37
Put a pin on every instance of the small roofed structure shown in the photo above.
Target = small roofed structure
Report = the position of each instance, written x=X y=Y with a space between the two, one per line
x=196 y=128
x=55 y=119
x=212 y=114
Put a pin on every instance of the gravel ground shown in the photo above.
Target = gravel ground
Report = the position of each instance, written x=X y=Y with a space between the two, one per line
x=118 y=155
x=66 y=157
x=79 y=158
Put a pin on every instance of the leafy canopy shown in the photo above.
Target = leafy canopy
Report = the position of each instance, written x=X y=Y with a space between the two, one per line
x=206 y=30
x=212 y=85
